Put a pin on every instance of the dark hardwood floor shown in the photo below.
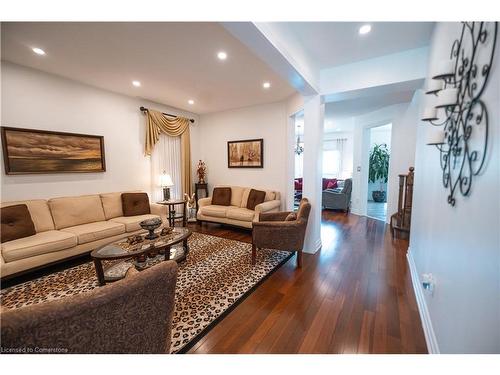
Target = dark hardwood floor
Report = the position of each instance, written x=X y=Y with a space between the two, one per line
x=353 y=296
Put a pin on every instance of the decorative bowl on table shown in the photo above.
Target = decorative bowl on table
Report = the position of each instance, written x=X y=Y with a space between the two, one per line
x=150 y=225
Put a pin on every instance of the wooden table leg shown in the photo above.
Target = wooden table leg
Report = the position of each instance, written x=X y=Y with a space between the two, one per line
x=99 y=271
x=167 y=253
x=184 y=215
x=186 y=246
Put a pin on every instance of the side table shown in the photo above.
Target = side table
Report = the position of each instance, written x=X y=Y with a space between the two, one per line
x=200 y=187
x=172 y=213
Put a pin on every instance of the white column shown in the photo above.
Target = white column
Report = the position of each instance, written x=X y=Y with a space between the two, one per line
x=313 y=165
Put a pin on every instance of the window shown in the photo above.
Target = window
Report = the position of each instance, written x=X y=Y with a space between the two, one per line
x=331 y=163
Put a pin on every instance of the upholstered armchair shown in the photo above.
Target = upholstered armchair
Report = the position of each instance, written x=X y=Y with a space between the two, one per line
x=281 y=231
x=338 y=199
x=133 y=315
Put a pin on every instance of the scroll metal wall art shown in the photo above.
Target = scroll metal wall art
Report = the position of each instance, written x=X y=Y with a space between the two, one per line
x=462 y=122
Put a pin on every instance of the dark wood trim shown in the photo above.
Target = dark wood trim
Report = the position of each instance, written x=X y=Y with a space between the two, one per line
x=6 y=157
x=200 y=222
x=261 y=140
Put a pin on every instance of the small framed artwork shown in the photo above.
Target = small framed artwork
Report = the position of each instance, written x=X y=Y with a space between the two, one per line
x=247 y=153
x=27 y=151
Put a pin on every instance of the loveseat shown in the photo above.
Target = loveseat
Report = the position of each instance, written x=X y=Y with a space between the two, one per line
x=237 y=213
x=70 y=226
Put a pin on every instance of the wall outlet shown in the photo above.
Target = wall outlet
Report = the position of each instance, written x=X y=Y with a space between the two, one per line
x=428 y=282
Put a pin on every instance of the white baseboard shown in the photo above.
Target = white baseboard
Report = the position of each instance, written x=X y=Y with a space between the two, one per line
x=318 y=244
x=430 y=337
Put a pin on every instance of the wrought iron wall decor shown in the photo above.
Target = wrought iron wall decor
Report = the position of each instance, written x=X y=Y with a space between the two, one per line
x=459 y=109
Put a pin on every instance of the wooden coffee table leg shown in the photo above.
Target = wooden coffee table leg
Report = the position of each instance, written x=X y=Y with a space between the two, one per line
x=167 y=253
x=99 y=271
x=186 y=247
x=184 y=215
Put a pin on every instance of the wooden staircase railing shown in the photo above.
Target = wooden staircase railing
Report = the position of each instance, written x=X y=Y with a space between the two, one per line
x=401 y=220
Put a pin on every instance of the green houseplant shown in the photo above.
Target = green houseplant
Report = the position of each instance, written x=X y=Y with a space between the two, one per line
x=379 y=169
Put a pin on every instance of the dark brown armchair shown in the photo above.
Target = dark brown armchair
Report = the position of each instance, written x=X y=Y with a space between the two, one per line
x=273 y=231
x=133 y=315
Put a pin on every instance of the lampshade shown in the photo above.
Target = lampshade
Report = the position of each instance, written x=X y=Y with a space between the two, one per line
x=166 y=180
x=434 y=136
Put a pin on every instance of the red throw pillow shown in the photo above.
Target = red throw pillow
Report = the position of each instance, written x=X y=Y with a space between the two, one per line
x=332 y=184
x=298 y=185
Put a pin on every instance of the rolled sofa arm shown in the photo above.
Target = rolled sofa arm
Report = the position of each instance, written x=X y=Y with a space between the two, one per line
x=204 y=202
x=268 y=206
x=160 y=210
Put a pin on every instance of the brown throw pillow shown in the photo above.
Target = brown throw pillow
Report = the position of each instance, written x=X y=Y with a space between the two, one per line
x=134 y=204
x=221 y=196
x=254 y=198
x=16 y=223
x=292 y=216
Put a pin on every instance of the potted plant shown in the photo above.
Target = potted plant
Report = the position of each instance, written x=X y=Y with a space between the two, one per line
x=379 y=170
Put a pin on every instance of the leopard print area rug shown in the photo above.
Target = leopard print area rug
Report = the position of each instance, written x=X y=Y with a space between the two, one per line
x=216 y=275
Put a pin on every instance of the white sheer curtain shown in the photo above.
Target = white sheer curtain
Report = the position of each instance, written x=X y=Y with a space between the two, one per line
x=333 y=157
x=166 y=156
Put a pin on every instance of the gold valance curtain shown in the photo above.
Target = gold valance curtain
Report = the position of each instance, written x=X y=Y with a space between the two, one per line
x=157 y=123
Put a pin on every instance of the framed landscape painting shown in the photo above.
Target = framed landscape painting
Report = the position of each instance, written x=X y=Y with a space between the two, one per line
x=27 y=151
x=245 y=154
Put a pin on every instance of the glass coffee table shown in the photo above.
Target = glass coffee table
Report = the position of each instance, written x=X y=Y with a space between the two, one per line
x=139 y=252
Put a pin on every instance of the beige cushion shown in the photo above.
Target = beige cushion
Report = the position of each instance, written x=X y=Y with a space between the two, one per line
x=72 y=211
x=95 y=231
x=112 y=205
x=132 y=222
x=214 y=210
x=40 y=243
x=39 y=211
x=236 y=195
x=244 y=198
x=243 y=214
x=270 y=196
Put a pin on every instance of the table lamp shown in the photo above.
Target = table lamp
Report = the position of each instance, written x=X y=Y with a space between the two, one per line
x=166 y=183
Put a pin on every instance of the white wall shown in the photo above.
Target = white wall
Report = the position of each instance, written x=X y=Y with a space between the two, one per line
x=268 y=121
x=33 y=99
x=460 y=245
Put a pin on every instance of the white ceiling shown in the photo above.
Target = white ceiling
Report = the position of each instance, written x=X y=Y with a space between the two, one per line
x=329 y=44
x=174 y=62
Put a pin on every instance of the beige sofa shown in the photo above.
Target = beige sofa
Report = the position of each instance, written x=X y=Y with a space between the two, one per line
x=237 y=214
x=70 y=226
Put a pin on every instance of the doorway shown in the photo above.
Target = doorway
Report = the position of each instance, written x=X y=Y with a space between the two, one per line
x=378 y=171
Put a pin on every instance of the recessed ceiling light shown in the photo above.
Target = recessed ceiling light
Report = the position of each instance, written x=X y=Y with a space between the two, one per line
x=136 y=83
x=266 y=85
x=365 y=29
x=38 y=51
x=191 y=101
x=222 y=55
